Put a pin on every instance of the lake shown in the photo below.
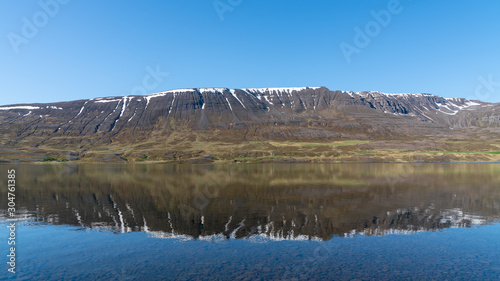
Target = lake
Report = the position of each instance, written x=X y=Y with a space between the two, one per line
x=254 y=221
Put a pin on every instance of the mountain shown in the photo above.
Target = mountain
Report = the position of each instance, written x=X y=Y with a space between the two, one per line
x=301 y=201
x=194 y=123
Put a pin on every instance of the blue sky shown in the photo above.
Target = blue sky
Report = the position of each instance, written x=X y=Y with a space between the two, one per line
x=88 y=49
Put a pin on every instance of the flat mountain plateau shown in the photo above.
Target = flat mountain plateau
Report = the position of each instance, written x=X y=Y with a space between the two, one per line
x=309 y=124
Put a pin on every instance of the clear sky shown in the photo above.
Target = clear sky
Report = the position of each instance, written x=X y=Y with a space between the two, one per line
x=54 y=50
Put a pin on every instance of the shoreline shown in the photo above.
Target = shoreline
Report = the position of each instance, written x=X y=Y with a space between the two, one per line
x=283 y=160
x=203 y=152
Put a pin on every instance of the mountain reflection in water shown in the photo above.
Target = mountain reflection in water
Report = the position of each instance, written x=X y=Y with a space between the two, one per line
x=269 y=201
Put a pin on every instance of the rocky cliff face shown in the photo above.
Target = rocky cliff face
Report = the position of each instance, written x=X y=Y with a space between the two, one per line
x=241 y=115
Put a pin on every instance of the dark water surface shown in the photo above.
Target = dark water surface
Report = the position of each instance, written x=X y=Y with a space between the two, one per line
x=250 y=222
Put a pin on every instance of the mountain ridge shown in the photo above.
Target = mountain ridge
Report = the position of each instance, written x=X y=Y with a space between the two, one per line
x=244 y=115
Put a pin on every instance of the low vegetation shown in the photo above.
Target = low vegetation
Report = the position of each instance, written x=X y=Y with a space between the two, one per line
x=196 y=150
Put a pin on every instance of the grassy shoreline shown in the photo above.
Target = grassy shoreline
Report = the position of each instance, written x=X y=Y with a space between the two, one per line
x=420 y=157
x=337 y=151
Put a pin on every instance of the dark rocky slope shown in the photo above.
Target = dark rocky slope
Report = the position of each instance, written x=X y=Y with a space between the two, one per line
x=239 y=115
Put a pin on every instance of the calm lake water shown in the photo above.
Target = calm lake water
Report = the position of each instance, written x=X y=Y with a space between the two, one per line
x=254 y=222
